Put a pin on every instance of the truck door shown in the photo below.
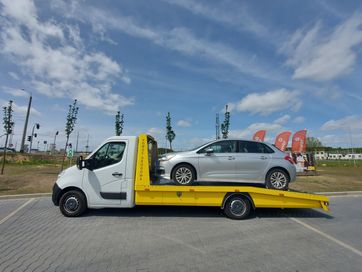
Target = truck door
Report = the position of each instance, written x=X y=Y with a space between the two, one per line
x=104 y=181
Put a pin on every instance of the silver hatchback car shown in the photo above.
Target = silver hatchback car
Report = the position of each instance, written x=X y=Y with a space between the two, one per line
x=231 y=160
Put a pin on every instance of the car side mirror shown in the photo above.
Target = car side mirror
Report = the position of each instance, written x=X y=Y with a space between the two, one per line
x=209 y=151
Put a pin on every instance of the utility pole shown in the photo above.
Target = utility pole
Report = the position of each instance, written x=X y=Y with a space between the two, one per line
x=25 y=125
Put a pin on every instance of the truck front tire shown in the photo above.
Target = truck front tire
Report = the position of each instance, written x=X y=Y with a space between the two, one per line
x=73 y=203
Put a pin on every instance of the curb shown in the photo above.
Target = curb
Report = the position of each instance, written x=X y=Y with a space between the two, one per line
x=25 y=196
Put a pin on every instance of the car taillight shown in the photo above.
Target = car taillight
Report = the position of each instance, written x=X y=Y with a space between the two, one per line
x=289 y=159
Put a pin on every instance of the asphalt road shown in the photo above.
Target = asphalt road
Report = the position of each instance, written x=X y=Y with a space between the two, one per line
x=34 y=236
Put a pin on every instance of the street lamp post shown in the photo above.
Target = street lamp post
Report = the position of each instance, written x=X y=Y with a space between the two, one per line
x=37 y=126
x=55 y=138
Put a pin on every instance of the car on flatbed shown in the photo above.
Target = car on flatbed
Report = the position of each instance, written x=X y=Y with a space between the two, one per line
x=231 y=160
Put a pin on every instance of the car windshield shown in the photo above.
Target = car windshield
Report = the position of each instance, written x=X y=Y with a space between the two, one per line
x=197 y=147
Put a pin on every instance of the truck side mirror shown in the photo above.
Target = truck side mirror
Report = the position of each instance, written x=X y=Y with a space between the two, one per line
x=80 y=163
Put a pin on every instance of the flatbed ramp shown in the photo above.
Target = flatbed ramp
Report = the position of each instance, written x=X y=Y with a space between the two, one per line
x=228 y=197
x=215 y=195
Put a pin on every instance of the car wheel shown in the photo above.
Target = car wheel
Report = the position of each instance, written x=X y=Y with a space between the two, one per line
x=277 y=179
x=72 y=203
x=184 y=174
x=237 y=207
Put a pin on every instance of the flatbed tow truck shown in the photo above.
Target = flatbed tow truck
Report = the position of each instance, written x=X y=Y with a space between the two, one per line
x=132 y=180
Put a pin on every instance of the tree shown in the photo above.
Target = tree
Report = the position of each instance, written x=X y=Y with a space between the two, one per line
x=225 y=125
x=8 y=127
x=170 y=134
x=69 y=126
x=119 y=123
x=313 y=143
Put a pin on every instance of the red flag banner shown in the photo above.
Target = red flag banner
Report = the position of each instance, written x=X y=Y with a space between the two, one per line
x=299 y=142
x=259 y=135
x=281 y=141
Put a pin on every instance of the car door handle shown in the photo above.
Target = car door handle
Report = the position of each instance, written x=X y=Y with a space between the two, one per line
x=230 y=158
x=263 y=158
x=116 y=174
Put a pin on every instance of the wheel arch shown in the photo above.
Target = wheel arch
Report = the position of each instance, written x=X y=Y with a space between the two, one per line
x=246 y=195
x=71 y=188
x=183 y=163
x=274 y=168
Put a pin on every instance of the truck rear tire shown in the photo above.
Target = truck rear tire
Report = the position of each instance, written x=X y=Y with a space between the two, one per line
x=237 y=207
x=73 y=203
x=184 y=174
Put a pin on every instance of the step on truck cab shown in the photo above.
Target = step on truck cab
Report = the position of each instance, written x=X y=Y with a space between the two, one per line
x=123 y=172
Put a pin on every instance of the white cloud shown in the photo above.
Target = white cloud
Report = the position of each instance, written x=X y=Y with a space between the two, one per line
x=178 y=39
x=283 y=119
x=299 y=120
x=54 y=57
x=349 y=122
x=154 y=131
x=184 y=123
x=268 y=102
x=318 y=55
x=14 y=75
x=251 y=129
x=15 y=92
x=239 y=16
x=20 y=110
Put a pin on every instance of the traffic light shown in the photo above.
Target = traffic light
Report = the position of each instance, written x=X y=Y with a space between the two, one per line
x=37 y=126
x=29 y=138
x=35 y=135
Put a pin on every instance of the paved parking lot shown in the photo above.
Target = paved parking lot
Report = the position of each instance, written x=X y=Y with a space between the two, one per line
x=34 y=236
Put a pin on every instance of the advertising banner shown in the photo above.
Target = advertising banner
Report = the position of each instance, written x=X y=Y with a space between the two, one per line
x=299 y=142
x=281 y=141
x=259 y=135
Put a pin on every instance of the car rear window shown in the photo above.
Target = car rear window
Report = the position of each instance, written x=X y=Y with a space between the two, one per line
x=254 y=147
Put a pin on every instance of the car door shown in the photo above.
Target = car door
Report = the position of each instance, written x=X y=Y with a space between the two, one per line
x=252 y=161
x=108 y=172
x=218 y=165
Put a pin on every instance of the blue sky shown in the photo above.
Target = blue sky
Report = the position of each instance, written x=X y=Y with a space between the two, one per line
x=279 y=65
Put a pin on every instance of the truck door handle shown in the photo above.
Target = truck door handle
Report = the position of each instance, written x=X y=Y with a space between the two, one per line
x=116 y=174
x=263 y=157
x=231 y=158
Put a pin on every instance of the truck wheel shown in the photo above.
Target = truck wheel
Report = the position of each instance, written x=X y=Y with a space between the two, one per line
x=237 y=207
x=72 y=203
x=184 y=174
x=277 y=179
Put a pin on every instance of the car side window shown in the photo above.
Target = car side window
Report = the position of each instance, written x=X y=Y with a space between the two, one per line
x=221 y=147
x=108 y=154
x=253 y=147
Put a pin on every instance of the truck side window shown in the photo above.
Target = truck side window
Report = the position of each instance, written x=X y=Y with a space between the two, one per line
x=108 y=154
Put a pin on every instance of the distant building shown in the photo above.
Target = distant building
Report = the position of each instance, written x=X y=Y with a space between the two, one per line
x=324 y=155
